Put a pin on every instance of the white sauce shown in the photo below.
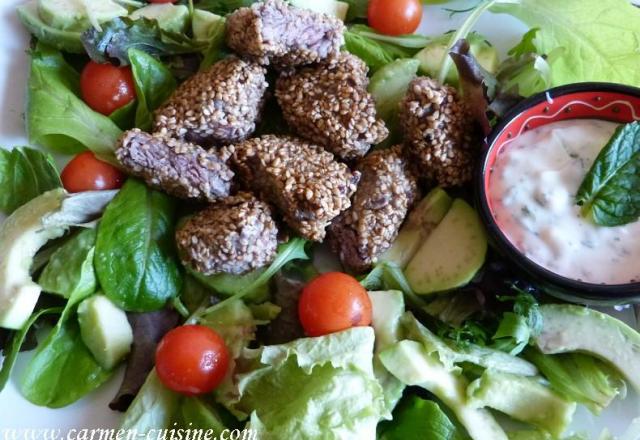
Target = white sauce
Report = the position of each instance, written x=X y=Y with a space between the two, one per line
x=532 y=191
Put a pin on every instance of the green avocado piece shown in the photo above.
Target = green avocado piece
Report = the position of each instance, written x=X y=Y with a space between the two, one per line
x=105 y=330
x=568 y=328
x=203 y=22
x=452 y=254
x=78 y=15
x=523 y=398
x=21 y=236
x=330 y=7
x=68 y=41
x=172 y=18
x=421 y=221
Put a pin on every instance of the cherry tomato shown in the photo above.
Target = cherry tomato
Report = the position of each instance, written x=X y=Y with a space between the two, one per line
x=395 y=17
x=106 y=88
x=85 y=172
x=192 y=360
x=333 y=302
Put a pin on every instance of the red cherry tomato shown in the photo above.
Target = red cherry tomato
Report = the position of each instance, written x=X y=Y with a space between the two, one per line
x=192 y=360
x=333 y=302
x=85 y=172
x=105 y=88
x=395 y=17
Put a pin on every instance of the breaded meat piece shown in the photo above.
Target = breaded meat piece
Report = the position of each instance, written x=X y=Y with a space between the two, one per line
x=218 y=106
x=386 y=192
x=440 y=135
x=329 y=105
x=177 y=167
x=235 y=235
x=275 y=32
x=308 y=186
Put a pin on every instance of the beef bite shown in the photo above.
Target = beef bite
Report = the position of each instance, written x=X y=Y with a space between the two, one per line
x=386 y=192
x=274 y=32
x=329 y=104
x=218 y=106
x=308 y=186
x=234 y=236
x=179 y=168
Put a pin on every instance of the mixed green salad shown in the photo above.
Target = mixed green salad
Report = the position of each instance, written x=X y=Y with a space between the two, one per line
x=440 y=338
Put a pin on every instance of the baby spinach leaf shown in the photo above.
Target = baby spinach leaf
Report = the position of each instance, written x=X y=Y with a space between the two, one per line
x=610 y=192
x=154 y=83
x=135 y=257
x=25 y=173
x=57 y=117
x=70 y=270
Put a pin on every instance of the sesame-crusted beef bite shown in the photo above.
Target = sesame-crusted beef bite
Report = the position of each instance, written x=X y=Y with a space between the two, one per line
x=180 y=168
x=220 y=105
x=305 y=182
x=275 y=32
x=233 y=236
x=440 y=135
x=329 y=104
x=386 y=192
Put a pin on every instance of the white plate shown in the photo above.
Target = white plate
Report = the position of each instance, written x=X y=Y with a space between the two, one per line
x=16 y=412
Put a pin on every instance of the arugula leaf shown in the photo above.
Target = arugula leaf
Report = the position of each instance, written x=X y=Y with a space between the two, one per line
x=599 y=37
x=610 y=192
x=25 y=173
x=135 y=256
x=154 y=84
x=121 y=34
x=57 y=117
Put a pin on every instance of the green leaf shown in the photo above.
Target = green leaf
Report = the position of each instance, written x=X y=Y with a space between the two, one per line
x=70 y=270
x=195 y=413
x=409 y=41
x=135 y=257
x=25 y=173
x=154 y=84
x=526 y=45
x=357 y=9
x=63 y=369
x=513 y=334
x=610 y=192
x=124 y=117
x=417 y=419
x=214 y=51
x=222 y=7
x=375 y=53
x=599 y=37
x=57 y=117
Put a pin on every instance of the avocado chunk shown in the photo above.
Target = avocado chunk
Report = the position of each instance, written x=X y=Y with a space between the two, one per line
x=204 y=24
x=568 y=328
x=523 y=398
x=410 y=362
x=78 y=15
x=452 y=254
x=330 y=7
x=63 y=40
x=421 y=221
x=21 y=236
x=432 y=56
x=172 y=18
x=105 y=330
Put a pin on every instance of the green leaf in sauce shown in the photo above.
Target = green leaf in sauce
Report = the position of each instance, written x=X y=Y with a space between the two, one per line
x=610 y=192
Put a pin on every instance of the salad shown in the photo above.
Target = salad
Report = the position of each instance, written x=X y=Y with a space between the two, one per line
x=266 y=219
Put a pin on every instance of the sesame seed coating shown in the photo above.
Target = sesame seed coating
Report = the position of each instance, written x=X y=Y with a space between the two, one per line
x=180 y=168
x=233 y=236
x=386 y=192
x=439 y=132
x=220 y=105
x=329 y=104
x=305 y=182
x=275 y=32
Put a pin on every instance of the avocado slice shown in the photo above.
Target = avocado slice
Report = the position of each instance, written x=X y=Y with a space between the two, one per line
x=421 y=221
x=172 y=18
x=410 y=362
x=105 y=330
x=78 y=15
x=334 y=8
x=524 y=399
x=203 y=22
x=452 y=254
x=568 y=328
x=21 y=236
x=63 y=40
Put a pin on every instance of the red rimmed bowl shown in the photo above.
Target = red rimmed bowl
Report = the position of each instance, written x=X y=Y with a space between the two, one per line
x=611 y=102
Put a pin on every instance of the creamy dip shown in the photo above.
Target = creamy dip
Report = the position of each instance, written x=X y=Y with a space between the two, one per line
x=532 y=191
